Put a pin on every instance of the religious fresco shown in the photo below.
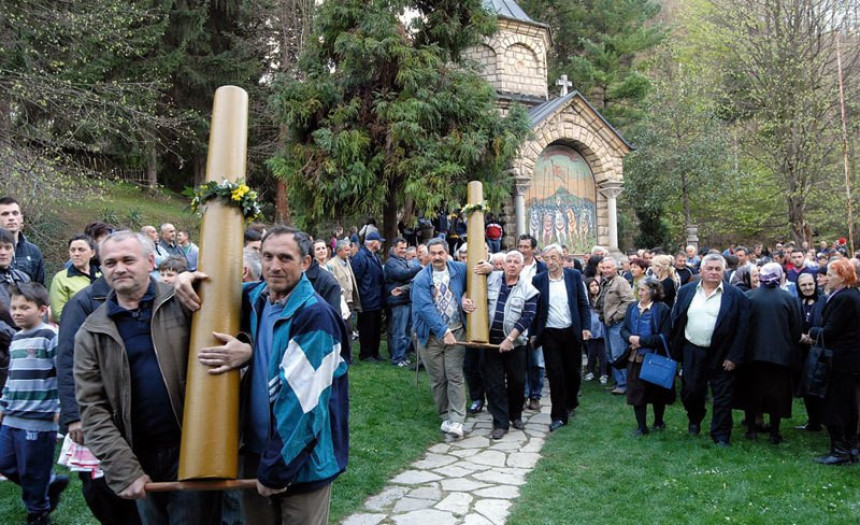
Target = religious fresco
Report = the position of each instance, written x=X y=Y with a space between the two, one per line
x=561 y=204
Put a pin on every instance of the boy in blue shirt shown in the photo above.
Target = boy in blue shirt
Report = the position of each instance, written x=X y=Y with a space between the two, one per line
x=30 y=404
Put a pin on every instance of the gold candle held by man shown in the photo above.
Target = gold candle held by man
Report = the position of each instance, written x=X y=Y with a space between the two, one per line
x=477 y=324
x=210 y=426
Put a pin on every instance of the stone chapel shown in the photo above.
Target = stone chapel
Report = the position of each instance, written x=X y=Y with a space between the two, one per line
x=570 y=173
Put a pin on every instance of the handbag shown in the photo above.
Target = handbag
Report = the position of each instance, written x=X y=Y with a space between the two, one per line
x=659 y=370
x=817 y=369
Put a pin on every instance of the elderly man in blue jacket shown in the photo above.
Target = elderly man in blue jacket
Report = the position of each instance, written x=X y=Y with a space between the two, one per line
x=370 y=278
x=438 y=321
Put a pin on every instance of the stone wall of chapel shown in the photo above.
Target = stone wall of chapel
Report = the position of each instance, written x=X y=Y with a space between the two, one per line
x=514 y=59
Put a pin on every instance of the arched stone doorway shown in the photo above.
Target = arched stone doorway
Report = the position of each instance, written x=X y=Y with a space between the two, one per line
x=561 y=201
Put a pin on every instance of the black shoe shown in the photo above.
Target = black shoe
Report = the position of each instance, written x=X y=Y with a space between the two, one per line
x=368 y=359
x=776 y=439
x=722 y=444
x=694 y=429
x=534 y=404
x=476 y=407
x=556 y=424
x=809 y=427
x=639 y=432
x=498 y=433
x=518 y=424
x=55 y=489
x=379 y=359
x=659 y=426
x=38 y=518
x=836 y=457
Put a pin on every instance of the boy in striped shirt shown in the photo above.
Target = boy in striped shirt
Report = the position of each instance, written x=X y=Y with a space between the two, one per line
x=29 y=405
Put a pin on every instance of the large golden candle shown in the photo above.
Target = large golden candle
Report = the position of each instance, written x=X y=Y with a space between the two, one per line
x=477 y=323
x=210 y=426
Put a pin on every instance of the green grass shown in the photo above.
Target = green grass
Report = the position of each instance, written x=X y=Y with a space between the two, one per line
x=593 y=471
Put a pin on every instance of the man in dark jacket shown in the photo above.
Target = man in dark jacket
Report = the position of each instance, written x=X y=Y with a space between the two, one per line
x=324 y=283
x=371 y=285
x=709 y=328
x=28 y=257
x=398 y=280
x=560 y=327
x=105 y=505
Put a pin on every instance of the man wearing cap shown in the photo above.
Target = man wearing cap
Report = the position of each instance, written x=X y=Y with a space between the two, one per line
x=370 y=278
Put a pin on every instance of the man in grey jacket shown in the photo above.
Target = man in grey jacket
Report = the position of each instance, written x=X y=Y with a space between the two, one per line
x=616 y=294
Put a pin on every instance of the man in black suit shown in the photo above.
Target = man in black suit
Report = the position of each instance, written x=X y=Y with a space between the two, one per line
x=561 y=325
x=709 y=326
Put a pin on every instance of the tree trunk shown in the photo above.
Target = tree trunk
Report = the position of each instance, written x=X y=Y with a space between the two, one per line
x=282 y=204
x=796 y=219
x=151 y=165
x=389 y=219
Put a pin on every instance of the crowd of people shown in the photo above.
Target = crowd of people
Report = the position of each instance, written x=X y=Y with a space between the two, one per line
x=104 y=349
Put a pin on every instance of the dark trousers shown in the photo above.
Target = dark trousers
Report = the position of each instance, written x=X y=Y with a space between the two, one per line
x=563 y=358
x=840 y=410
x=698 y=374
x=179 y=507
x=504 y=381
x=472 y=364
x=369 y=333
x=26 y=458
x=105 y=505
x=597 y=357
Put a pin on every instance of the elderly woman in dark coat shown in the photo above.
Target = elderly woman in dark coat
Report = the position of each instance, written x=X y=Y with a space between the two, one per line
x=812 y=301
x=840 y=332
x=646 y=329
x=764 y=383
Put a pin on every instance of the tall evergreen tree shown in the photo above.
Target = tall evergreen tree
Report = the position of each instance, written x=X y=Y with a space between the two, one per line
x=597 y=44
x=388 y=112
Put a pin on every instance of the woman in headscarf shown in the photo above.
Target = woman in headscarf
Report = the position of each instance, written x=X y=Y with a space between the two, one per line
x=646 y=329
x=840 y=332
x=811 y=304
x=764 y=383
x=746 y=278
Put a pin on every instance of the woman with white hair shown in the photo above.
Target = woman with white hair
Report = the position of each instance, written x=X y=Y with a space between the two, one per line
x=765 y=379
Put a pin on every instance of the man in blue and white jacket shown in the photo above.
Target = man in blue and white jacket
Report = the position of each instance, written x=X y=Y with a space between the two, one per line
x=298 y=381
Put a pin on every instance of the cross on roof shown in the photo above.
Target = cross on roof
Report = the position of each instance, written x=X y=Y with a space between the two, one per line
x=564 y=83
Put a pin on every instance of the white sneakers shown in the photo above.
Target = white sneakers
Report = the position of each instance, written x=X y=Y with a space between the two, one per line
x=453 y=428
x=589 y=376
x=604 y=380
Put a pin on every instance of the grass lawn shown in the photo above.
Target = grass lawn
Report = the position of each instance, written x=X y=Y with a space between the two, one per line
x=592 y=471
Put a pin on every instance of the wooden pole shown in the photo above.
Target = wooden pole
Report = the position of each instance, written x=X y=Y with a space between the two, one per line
x=477 y=323
x=210 y=426
x=229 y=484
x=850 y=213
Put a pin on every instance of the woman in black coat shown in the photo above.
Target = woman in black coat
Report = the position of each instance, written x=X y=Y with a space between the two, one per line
x=812 y=301
x=646 y=321
x=765 y=381
x=840 y=332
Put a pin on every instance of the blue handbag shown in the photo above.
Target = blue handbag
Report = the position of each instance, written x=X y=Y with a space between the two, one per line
x=659 y=370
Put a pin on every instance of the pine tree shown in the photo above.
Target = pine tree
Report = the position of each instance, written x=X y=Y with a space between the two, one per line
x=596 y=43
x=388 y=112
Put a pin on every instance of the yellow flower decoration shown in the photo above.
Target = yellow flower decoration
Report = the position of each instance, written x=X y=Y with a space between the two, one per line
x=240 y=192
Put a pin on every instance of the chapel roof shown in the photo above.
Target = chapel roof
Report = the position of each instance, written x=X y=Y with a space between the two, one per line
x=549 y=108
x=507 y=9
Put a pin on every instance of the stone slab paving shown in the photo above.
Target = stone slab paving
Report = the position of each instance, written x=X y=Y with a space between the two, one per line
x=471 y=481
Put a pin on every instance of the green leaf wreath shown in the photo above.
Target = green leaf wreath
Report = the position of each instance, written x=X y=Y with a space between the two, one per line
x=236 y=194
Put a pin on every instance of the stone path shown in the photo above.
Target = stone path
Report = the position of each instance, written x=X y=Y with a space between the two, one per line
x=472 y=481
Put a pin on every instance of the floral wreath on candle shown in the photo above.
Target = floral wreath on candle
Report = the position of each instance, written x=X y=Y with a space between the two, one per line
x=472 y=208
x=236 y=194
